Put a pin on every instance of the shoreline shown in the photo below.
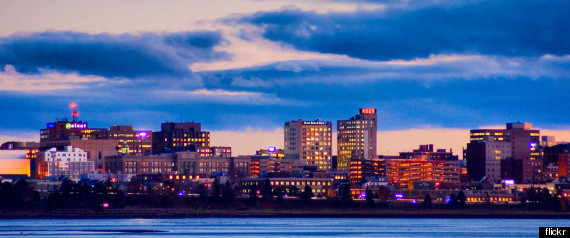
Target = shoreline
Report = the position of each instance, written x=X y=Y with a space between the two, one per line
x=157 y=213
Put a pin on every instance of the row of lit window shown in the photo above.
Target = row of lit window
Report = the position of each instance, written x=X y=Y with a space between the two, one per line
x=246 y=191
x=492 y=199
x=319 y=129
x=292 y=183
x=183 y=177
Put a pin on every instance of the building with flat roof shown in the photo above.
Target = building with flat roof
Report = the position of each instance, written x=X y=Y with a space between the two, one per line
x=214 y=151
x=292 y=186
x=356 y=138
x=489 y=147
x=70 y=162
x=97 y=149
x=66 y=130
x=131 y=141
x=271 y=151
x=429 y=153
x=400 y=172
x=139 y=164
x=176 y=136
x=310 y=141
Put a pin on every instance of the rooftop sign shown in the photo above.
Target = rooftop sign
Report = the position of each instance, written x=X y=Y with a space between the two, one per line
x=74 y=125
x=143 y=134
x=314 y=122
x=367 y=110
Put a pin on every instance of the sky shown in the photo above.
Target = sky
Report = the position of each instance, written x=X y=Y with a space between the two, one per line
x=433 y=68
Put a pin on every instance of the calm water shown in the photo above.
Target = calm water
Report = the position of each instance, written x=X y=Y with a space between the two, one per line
x=281 y=227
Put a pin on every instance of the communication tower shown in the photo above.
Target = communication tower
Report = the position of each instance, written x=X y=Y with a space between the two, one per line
x=74 y=112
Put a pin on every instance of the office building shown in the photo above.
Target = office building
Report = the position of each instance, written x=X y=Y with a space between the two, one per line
x=309 y=141
x=130 y=141
x=321 y=187
x=488 y=147
x=403 y=172
x=66 y=130
x=356 y=138
x=175 y=136
x=271 y=151
x=214 y=151
x=139 y=164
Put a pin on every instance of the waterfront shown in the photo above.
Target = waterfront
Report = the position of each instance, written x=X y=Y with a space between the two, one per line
x=277 y=227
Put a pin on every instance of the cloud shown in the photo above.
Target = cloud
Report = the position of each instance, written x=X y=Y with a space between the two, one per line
x=226 y=97
x=510 y=28
x=10 y=80
x=19 y=135
x=111 y=56
x=427 y=70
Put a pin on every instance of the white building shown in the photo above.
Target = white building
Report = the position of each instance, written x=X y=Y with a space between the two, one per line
x=71 y=162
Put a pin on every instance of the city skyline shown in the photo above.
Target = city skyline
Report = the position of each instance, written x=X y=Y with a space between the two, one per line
x=433 y=69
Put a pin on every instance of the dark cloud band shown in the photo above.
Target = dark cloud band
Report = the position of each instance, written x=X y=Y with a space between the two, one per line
x=125 y=55
x=507 y=28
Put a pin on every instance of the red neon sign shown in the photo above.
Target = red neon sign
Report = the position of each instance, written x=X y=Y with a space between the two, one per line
x=367 y=111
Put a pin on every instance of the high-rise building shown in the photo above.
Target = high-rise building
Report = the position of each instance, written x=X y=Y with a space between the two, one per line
x=488 y=147
x=130 y=141
x=179 y=137
x=310 y=141
x=356 y=138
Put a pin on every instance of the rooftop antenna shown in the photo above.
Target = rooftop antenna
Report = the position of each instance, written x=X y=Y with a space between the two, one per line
x=74 y=112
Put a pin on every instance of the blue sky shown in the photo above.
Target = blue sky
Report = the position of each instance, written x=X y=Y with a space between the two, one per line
x=238 y=66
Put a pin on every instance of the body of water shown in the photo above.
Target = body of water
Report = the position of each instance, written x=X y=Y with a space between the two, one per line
x=277 y=227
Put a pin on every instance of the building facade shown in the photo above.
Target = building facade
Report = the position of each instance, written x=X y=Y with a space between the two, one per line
x=489 y=147
x=320 y=187
x=97 y=149
x=356 y=138
x=130 y=141
x=139 y=164
x=402 y=172
x=310 y=141
x=214 y=151
x=70 y=162
x=429 y=153
x=66 y=130
x=179 y=137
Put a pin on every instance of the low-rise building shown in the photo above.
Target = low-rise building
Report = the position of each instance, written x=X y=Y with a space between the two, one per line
x=293 y=186
x=70 y=162
x=139 y=164
x=402 y=171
